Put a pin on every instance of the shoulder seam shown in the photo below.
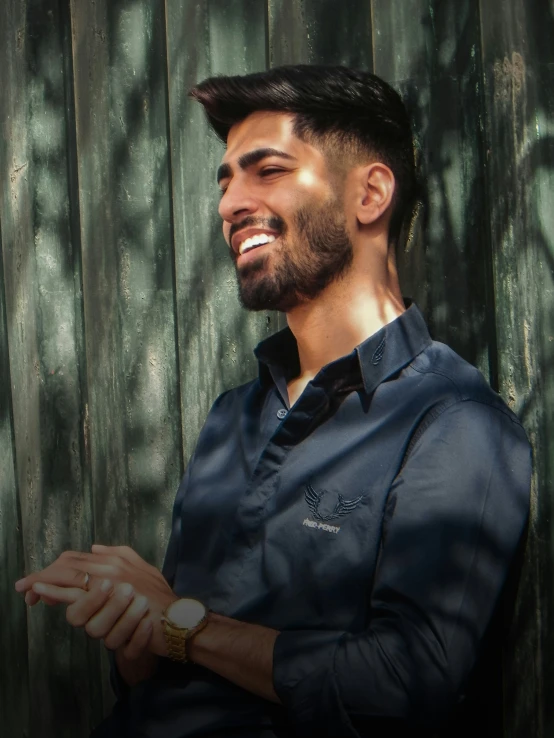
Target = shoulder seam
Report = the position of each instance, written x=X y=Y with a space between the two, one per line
x=439 y=373
x=482 y=401
x=435 y=412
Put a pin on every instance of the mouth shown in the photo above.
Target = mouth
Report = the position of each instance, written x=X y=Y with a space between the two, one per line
x=248 y=242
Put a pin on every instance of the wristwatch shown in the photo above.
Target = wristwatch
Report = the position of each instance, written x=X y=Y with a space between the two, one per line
x=181 y=620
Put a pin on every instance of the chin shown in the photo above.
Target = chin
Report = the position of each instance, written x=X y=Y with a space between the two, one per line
x=258 y=297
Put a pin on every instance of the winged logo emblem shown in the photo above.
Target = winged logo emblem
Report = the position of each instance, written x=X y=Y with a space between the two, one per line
x=343 y=506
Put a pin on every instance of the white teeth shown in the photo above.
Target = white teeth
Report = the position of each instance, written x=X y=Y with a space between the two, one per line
x=258 y=240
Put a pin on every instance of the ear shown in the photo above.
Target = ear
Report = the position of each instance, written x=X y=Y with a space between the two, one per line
x=377 y=185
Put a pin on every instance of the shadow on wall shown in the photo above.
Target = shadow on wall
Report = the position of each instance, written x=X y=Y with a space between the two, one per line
x=161 y=317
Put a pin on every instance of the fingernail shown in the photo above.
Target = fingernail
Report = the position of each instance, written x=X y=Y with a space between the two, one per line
x=39 y=588
x=126 y=589
x=106 y=585
x=141 y=602
x=28 y=598
x=20 y=585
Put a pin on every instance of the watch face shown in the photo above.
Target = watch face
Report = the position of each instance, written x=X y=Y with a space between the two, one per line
x=186 y=613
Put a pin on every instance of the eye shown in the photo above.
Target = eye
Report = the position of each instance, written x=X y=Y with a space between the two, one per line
x=268 y=171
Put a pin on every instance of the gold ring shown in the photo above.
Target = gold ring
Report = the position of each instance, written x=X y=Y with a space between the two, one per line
x=87 y=580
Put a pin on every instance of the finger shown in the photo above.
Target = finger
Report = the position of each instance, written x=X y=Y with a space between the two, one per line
x=63 y=575
x=99 y=624
x=31 y=598
x=139 y=640
x=126 y=625
x=82 y=610
x=60 y=563
x=56 y=594
x=23 y=585
x=48 y=601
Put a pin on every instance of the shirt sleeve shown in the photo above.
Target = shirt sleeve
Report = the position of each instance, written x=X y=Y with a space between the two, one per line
x=454 y=517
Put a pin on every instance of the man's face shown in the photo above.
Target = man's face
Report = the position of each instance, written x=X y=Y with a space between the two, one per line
x=282 y=218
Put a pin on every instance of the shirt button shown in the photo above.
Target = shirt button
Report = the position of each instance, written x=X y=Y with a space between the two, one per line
x=282 y=413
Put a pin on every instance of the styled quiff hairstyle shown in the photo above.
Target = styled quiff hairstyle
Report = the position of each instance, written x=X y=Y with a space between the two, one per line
x=353 y=116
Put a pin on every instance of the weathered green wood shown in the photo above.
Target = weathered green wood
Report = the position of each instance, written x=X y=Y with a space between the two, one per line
x=519 y=84
x=320 y=32
x=119 y=59
x=43 y=325
x=430 y=52
x=216 y=335
x=14 y=693
x=133 y=419
x=102 y=417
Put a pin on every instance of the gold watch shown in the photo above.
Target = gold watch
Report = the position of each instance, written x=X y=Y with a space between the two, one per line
x=180 y=621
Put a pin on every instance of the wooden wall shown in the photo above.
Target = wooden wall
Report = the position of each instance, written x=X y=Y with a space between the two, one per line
x=119 y=322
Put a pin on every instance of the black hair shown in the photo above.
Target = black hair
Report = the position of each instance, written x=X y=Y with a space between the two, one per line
x=333 y=105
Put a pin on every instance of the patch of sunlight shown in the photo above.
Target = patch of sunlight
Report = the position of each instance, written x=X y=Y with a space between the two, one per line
x=133 y=39
x=544 y=125
x=47 y=132
x=50 y=193
x=447 y=51
x=544 y=186
x=458 y=165
x=53 y=525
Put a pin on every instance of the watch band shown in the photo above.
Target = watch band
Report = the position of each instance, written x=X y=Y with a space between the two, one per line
x=176 y=642
x=176 y=638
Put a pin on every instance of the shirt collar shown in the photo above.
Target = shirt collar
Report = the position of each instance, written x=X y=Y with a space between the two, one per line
x=378 y=357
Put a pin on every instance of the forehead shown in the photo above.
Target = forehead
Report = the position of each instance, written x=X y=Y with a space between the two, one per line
x=264 y=129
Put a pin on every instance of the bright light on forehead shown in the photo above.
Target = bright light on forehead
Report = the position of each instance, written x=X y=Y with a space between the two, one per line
x=306 y=177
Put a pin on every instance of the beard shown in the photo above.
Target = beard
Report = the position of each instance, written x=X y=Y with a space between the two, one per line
x=302 y=267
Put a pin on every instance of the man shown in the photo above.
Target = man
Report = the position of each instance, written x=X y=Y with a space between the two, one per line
x=350 y=516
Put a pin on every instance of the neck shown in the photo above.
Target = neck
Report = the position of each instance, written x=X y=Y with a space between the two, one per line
x=343 y=316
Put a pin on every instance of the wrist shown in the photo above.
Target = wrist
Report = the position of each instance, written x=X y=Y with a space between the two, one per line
x=199 y=643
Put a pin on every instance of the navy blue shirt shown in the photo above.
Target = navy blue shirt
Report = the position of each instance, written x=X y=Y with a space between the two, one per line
x=373 y=524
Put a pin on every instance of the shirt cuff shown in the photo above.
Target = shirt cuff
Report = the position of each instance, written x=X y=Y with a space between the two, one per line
x=304 y=680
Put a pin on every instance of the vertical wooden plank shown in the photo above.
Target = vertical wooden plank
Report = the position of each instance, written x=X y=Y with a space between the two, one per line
x=43 y=325
x=128 y=279
x=519 y=84
x=429 y=51
x=123 y=168
x=14 y=693
x=320 y=32
x=216 y=335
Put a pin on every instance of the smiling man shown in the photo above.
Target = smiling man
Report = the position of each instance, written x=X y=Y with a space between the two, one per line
x=344 y=532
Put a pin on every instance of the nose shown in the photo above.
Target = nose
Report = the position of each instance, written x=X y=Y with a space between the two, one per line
x=237 y=201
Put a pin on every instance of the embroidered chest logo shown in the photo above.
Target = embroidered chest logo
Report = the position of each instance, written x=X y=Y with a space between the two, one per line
x=342 y=507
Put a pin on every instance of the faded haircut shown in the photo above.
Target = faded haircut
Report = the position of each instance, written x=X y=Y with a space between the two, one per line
x=351 y=115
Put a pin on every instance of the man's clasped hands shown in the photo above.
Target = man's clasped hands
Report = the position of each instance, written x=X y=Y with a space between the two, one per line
x=111 y=592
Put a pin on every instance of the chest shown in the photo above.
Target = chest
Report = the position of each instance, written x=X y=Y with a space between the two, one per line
x=288 y=522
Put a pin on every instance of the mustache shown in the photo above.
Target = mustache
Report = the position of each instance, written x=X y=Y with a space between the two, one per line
x=275 y=223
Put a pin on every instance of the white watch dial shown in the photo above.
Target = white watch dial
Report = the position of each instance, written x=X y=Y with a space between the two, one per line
x=186 y=613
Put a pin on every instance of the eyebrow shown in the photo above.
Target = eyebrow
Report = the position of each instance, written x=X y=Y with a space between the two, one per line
x=249 y=159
